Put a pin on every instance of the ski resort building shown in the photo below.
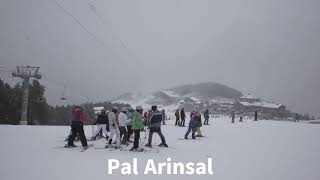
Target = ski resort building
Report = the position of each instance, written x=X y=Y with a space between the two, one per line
x=268 y=110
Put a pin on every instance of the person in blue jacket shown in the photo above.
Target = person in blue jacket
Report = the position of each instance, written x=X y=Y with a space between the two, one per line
x=192 y=127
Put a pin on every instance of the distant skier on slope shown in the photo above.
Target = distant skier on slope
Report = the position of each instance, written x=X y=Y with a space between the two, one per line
x=78 y=120
x=206 y=117
x=255 y=115
x=137 y=125
x=296 y=118
x=163 y=117
x=233 y=116
x=177 y=117
x=114 y=127
x=183 y=117
x=155 y=127
x=241 y=117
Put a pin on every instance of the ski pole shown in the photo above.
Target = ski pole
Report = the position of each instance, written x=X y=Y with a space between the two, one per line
x=92 y=131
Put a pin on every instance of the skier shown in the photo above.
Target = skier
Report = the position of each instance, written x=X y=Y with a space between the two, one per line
x=241 y=117
x=177 y=117
x=192 y=114
x=137 y=125
x=129 y=123
x=192 y=127
x=232 y=116
x=101 y=123
x=183 y=117
x=255 y=115
x=197 y=116
x=122 y=118
x=206 y=117
x=78 y=119
x=145 y=118
x=163 y=117
x=155 y=127
x=296 y=118
x=114 y=128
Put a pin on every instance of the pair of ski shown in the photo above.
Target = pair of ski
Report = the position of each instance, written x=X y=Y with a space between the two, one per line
x=75 y=147
x=197 y=138
x=114 y=148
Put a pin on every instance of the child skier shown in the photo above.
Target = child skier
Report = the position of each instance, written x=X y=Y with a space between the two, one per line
x=114 y=128
x=155 y=127
x=137 y=125
x=78 y=119
x=122 y=118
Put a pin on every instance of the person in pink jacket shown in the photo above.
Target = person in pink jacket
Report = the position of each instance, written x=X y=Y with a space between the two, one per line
x=78 y=120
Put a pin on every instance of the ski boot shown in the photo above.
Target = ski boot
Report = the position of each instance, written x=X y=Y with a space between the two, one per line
x=70 y=146
x=136 y=149
x=163 y=145
x=109 y=146
x=148 y=145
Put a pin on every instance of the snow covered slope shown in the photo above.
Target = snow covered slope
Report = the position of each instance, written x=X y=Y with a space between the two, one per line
x=264 y=150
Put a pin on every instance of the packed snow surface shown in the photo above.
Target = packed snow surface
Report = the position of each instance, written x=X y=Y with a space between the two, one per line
x=263 y=150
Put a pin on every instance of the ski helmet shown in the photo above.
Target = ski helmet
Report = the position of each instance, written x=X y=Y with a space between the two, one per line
x=124 y=109
x=114 y=109
x=154 y=108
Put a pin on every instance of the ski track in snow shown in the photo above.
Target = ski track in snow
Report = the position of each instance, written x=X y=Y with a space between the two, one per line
x=264 y=150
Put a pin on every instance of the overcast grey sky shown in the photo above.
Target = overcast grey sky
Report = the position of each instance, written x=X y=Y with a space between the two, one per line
x=270 y=48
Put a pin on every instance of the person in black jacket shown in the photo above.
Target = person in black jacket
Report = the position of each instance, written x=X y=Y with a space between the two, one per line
x=102 y=125
x=177 y=114
x=183 y=117
x=255 y=115
x=155 y=127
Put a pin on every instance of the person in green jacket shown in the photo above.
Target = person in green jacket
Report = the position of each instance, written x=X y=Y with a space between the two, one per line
x=137 y=125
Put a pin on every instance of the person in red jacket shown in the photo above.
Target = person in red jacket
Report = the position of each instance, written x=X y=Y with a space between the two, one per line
x=78 y=120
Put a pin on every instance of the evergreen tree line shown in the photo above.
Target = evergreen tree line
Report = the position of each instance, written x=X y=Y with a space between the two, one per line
x=39 y=111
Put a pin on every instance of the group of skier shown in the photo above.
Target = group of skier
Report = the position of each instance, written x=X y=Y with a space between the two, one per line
x=180 y=118
x=241 y=115
x=118 y=126
x=195 y=125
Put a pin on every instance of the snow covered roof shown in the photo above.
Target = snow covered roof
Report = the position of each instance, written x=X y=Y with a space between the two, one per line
x=195 y=99
x=261 y=104
x=170 y=93
x=248 y=96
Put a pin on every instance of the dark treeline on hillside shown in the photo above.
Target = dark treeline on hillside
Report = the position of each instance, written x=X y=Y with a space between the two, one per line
x=39 y=111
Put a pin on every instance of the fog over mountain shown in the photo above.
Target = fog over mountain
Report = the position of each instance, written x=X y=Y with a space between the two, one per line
x=103 y=48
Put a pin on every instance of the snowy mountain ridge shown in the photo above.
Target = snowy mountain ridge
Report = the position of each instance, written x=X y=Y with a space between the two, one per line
x=195 y=94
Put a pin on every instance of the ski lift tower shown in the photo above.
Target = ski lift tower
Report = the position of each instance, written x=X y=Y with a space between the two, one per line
x=25 y=73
